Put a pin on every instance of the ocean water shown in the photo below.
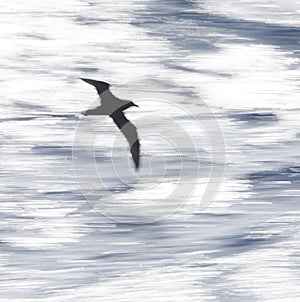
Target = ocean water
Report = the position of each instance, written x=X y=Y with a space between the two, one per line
x=213 y=213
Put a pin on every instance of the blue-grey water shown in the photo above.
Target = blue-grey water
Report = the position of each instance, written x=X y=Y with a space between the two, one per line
x=241 y=58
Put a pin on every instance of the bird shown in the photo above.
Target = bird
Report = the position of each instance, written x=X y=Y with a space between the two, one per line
x=114 y=107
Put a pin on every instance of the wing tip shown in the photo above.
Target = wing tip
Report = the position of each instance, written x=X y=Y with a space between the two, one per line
x=137 y=166
x=135 y=152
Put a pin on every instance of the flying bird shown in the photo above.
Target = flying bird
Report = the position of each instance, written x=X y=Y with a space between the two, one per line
x=114 y=107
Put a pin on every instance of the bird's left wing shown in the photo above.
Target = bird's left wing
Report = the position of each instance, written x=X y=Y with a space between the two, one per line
x=99 y=85
x=130 y=132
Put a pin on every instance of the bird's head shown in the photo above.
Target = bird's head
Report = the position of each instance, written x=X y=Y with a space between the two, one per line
x=133 y=104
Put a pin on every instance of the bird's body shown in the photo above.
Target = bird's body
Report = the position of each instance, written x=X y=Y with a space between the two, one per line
x=113 y=107
x=109 y=104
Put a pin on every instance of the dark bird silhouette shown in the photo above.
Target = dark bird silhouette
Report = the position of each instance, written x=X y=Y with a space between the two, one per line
x=114 y=107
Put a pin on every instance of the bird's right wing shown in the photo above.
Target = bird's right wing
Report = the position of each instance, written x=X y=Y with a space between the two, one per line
x=130 y=132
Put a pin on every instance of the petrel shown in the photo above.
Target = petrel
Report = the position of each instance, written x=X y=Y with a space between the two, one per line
x=114 y=107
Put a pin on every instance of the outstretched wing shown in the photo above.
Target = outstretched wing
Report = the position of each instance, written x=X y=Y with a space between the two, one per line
x=130 y=132
x=99 y=85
